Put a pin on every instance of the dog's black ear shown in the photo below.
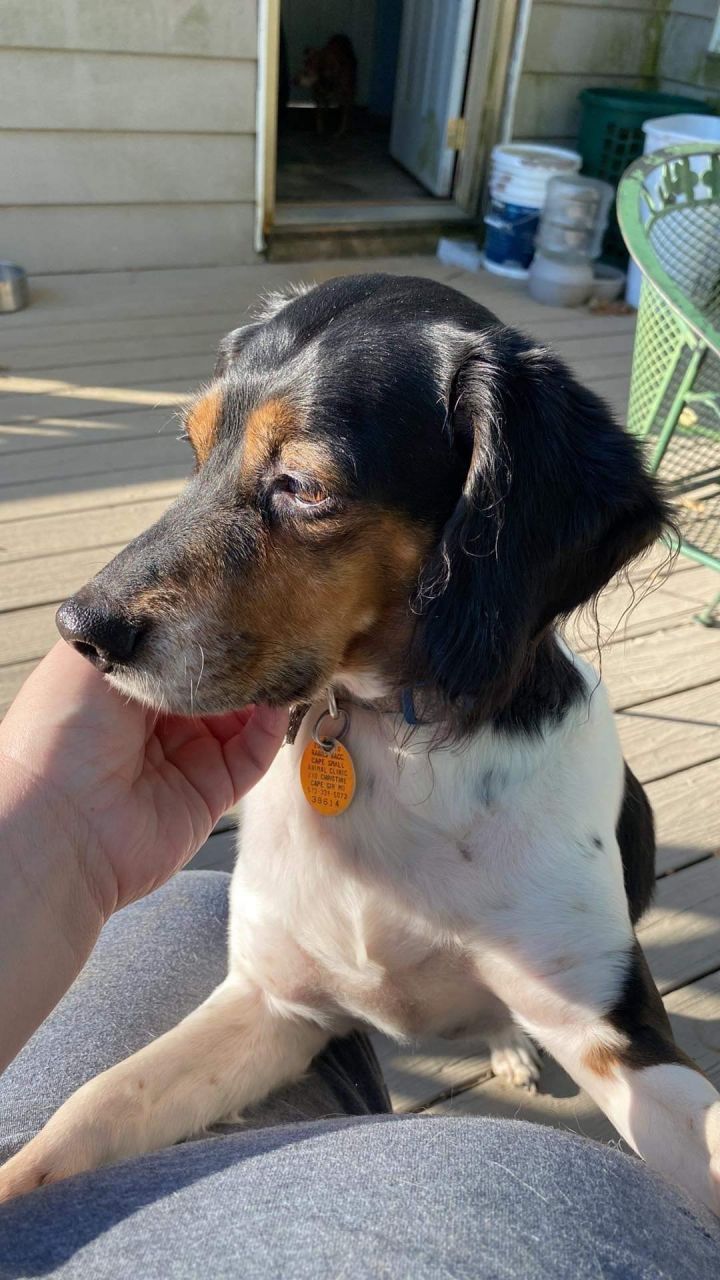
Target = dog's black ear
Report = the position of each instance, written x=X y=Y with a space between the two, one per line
x=270 y=305
x=556 y=500
x=231 y=346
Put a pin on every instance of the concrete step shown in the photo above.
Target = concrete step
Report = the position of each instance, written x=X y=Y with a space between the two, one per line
x=314 y=232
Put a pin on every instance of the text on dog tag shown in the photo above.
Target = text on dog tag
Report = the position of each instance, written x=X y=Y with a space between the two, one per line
x=327 y=777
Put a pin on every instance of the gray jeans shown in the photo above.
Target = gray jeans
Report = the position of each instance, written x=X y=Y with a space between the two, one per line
x=323 y=1182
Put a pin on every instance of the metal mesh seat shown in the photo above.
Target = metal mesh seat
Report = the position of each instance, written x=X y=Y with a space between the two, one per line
x=669 y=214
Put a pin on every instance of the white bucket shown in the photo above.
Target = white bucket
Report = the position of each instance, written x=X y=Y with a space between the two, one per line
x=666 y=131
x=519 y=175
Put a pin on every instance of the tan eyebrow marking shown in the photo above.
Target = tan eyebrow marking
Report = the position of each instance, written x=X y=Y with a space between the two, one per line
x=202 y=420
x=276 y=433
x=267 y=429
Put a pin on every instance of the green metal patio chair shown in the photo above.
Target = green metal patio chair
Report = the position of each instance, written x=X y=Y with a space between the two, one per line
x=669 y=214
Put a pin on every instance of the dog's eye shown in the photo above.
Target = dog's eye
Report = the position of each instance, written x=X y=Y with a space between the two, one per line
x=303 y=491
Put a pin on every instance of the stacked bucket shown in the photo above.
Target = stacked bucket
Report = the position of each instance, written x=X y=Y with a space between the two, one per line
x=519 y=176
x=572 y=226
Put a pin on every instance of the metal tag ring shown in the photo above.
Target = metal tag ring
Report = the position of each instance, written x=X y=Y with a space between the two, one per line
x=329 y=744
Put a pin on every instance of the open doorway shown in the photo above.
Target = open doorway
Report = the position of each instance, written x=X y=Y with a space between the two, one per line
x=401 y=158
x=367 y=91
x=338 y=63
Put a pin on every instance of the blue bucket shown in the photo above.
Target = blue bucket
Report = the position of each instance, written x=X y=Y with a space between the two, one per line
x=510 y=231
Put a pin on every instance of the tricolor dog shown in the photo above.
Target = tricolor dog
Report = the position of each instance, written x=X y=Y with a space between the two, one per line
x=396 y=500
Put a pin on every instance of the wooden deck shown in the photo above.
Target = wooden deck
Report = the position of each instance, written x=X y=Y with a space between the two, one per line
x=88 y=457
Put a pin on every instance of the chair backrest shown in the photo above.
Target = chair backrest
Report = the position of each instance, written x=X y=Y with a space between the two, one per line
x=669 y=214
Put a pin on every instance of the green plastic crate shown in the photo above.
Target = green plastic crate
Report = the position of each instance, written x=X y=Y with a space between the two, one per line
x=611 y=137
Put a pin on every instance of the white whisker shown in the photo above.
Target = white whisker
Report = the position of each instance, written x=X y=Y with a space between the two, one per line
x=192 y=698
x=202 y=665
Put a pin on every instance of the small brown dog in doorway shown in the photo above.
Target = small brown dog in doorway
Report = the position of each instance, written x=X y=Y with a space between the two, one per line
x=331 y=73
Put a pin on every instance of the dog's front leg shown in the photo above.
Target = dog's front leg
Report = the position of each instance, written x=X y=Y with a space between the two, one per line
x=231 y=1052
x=622 y=1052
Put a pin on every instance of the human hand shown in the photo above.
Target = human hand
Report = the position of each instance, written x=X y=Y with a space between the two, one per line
x=136 y=793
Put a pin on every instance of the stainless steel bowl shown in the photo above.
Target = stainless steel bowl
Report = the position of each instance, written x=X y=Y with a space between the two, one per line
x=13 y=287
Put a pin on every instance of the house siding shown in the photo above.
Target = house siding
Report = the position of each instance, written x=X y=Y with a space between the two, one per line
x=580 y=45
x=127 y=133
x=686 y=65
x=127 y=130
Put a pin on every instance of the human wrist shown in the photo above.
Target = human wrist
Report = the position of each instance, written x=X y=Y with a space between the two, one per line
x=51 y=912
x=46 y=839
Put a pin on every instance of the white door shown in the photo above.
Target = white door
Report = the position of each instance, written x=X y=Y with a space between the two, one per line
x=432 y=64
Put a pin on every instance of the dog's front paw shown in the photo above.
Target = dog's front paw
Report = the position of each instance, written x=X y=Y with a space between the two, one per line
x=57 y=1152
x=96 y=1126
x=34 y=1166
x=515 y=1060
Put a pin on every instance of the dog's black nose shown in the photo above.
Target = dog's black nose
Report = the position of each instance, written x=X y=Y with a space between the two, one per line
x=103 y=637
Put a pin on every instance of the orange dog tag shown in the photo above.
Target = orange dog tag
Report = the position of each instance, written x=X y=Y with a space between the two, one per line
x=328 y=777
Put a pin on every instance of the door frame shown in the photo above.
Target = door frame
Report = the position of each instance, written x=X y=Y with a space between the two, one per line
x=485 y=98
x=490 y=52
x=266 y=117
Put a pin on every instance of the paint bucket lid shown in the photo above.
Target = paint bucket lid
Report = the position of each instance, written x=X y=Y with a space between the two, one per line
x=520 y=172
x=529 y=159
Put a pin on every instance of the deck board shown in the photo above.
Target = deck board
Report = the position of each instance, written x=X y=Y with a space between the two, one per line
x=20 y=540
x=140 y=372
x=669 y=734
x=132 y=483
x=92 y=375
x=27 y=633
x=22 y=349
x=680 y=934
x=105 y=458
x=93 y=401
x=687 y=816
x=57 y=431
x=70 y=357
x=49 y=578
x=662 y=663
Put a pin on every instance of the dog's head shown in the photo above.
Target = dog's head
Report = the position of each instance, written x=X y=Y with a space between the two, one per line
x=309 y=73
x=391 y=488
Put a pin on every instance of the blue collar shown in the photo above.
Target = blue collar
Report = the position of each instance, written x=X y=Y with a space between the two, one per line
x=407 y=703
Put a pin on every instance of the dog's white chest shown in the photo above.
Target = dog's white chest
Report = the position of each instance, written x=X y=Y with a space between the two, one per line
x=393 y=910
x=342 y=910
